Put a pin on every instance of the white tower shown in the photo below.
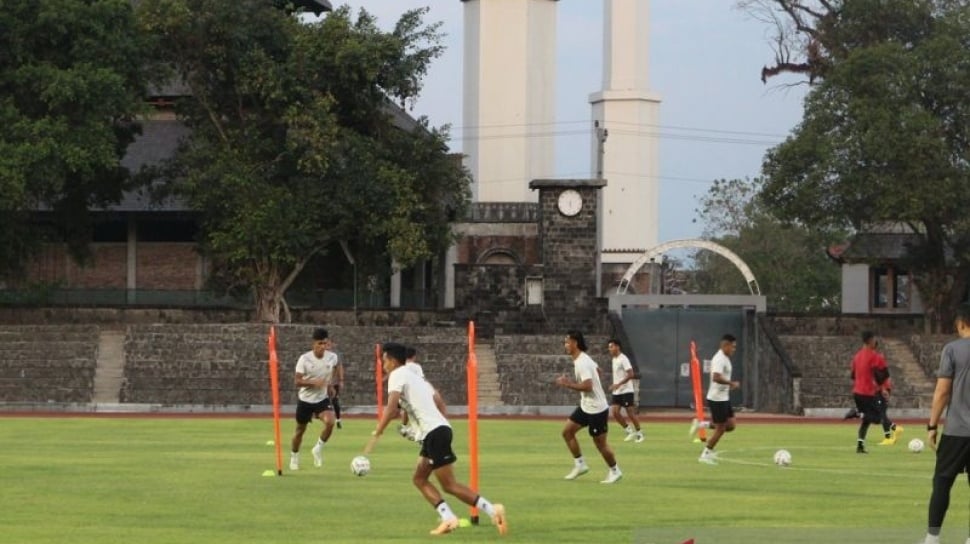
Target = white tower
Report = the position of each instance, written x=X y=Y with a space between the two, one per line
x=628 y=112
x=509 y=96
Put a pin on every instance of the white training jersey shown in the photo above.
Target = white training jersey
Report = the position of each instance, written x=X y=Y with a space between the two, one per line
x=585 y=368
x=313 y=368
x=720 y=364
x=417 y=399
x=621 y=365
x=414 y=367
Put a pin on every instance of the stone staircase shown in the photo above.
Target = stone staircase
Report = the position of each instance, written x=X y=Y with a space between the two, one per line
x=913 y=387
x=489 y=389
x=109 y=374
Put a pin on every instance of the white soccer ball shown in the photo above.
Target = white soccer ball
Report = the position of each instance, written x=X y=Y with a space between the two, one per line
x=916 y=445
x=360 y=465
x=782 y=458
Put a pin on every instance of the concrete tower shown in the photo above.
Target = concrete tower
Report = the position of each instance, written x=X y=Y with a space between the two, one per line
x=509 y=96
x=625 y=146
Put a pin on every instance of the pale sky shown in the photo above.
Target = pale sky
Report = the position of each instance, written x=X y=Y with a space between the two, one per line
x=716 y=117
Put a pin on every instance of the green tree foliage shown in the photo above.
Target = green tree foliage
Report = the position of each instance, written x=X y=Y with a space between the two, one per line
x=71 y=74
x=886 y=138
x=294 y=145
x=788 y=260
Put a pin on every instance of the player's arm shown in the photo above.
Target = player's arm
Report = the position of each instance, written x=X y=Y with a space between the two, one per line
x=941 y=398
x=585 y=385
x=390 y=412
x=339 y=373
x=439 y=403
x=880 y=372
x=629 y=376
x=717 y=377
x=302 y=381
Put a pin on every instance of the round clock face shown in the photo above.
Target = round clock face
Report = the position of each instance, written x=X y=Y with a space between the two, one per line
x=570 y=202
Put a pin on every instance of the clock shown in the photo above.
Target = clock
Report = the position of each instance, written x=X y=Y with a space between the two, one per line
x=570 y=202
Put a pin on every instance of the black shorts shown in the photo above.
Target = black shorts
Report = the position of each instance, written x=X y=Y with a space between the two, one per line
x=721 y=410
x=306 y=410
x=597 y=423
x=437 y=447
x=867 y=407
x=952 y=456
x=623 y=399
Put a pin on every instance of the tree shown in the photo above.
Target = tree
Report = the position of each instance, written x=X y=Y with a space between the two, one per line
x=293 y=144
x=71 y=87
x=885 y=139
x=788 y=260
x=810 y=36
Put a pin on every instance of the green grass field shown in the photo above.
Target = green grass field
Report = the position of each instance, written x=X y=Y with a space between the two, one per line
x=199 y=480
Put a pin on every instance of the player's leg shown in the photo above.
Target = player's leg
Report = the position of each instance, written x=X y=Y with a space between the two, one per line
x=599 y=429
x=421 y=480
x=720 y=414
x=889 y=430
x=629 y=404
x=335 y=402
x=952 y=456
x=870 y=415
x=576 y=421
x=325 y=414
x=437 y=445
x=304 y=413
x=617 y=413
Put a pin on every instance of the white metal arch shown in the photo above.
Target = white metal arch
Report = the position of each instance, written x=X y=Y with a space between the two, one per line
x=658 y=250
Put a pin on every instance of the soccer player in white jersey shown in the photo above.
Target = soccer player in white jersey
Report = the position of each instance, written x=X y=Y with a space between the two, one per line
x=407 y=429
x=622 y=392
x=416 y=396
x=593 y=411
x=719 y=398
x=314 y=372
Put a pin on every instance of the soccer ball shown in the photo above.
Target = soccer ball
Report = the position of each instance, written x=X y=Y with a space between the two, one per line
x=360 y=465
x=916 y=445
x=782 y=458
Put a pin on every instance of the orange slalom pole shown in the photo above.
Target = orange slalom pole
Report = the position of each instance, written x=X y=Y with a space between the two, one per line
x=379 y=377
x=472 y=375
x=274 y=381
x=695 y=376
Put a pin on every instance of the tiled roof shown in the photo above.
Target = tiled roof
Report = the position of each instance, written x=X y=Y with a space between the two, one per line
x=868 y=246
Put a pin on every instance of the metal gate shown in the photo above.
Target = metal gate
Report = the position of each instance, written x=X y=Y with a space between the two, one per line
x=660 y=341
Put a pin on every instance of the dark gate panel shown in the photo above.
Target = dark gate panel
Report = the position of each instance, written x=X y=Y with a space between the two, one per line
x=660 y=341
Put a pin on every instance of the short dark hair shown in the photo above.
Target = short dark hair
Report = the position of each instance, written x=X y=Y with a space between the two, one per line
x=578 y=337
x=395 y=351
x=728 y=338
x=867 y=335
x=963 y=313
x=616 y=342
x=320 y=333
x=409 y=352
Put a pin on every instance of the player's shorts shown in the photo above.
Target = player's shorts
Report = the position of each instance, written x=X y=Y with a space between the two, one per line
x=306 y=410
x=952 y=456
x=868 y=407
x=437 y=447
x=623 y=399
x=721 y=410
x=597 y=423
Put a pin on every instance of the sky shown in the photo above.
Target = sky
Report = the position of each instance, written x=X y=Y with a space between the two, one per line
x=717 y=119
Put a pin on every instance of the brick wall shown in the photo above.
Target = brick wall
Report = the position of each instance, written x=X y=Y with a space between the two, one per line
x=107 y=268
x=47 y=363
x=167 y=265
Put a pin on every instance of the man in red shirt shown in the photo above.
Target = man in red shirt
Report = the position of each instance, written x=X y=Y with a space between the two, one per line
x=869 y=373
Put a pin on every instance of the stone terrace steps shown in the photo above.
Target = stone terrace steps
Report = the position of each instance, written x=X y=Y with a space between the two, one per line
x=906 y=370
x=825 y=364
x=489 y=388
x=109 y=374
